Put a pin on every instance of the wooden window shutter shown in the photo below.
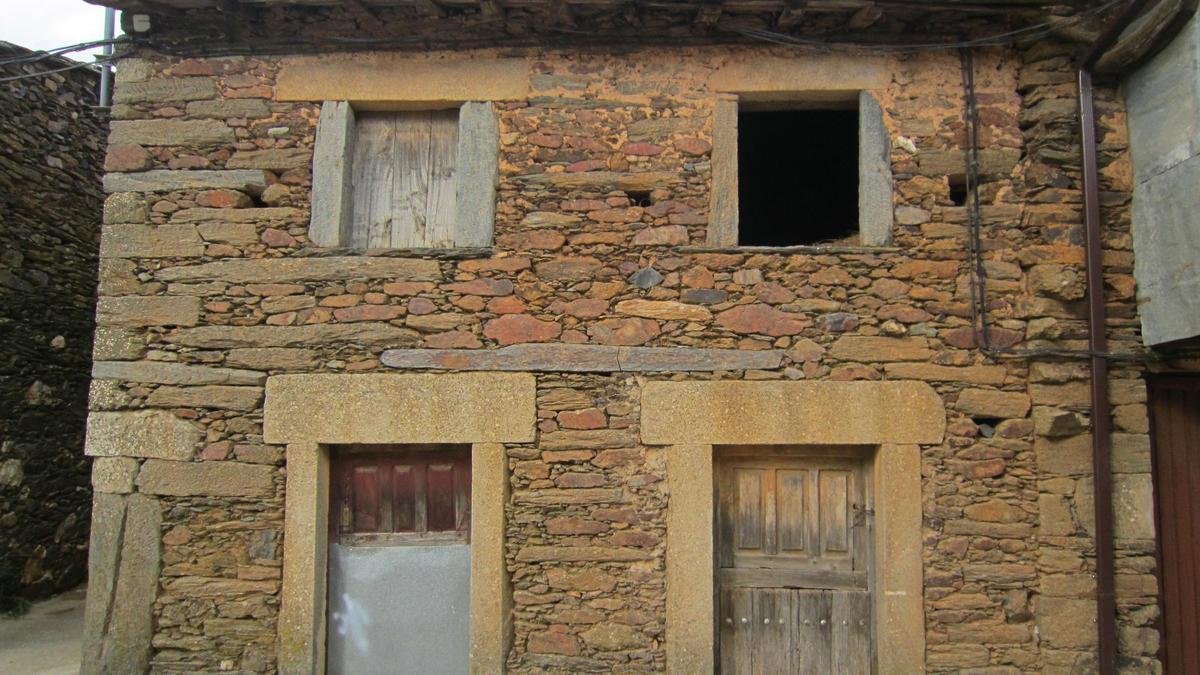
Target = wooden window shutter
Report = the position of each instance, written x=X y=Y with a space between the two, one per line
x=398 y=497
x=404 y=180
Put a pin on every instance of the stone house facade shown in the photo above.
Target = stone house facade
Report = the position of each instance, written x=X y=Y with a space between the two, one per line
x=586 y=333
x=52 y=137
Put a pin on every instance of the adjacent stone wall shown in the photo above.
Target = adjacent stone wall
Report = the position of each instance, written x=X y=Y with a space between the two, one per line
x=51 y=152
x=209 y=284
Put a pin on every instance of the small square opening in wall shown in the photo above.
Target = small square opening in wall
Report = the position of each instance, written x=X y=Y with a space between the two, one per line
x=798 y=174
x=958 y=189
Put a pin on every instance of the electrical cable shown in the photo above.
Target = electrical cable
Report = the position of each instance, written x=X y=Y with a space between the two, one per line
x=1028 y=32
x=976 y=269
x=42 y=73
x=57 y=52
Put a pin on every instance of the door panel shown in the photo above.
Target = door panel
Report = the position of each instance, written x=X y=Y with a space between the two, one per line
x=1175 y=434
x=792 y=554
x=399 y=560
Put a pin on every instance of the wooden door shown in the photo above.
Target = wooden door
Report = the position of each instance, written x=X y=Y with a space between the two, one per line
x=793 y=554
x=1175 y=437
x=399 y=560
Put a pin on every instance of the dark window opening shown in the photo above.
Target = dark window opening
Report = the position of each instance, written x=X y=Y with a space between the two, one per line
x=797 y=177
x=958 y=190
x=639 y=198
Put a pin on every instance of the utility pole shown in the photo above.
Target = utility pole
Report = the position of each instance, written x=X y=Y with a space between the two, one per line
x=106 y=72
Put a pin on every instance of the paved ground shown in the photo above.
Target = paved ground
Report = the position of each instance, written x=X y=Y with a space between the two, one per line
x=47 y=640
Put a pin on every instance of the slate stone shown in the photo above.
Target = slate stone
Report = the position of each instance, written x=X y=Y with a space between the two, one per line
x=646 y=278
x=582 y=359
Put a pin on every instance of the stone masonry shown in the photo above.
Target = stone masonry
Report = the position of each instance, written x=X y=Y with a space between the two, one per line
x=209 y=285
x=50 y=167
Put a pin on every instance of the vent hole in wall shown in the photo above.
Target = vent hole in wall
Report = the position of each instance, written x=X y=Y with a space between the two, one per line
x=958 y=190
x=640 y=198
x=987 y=425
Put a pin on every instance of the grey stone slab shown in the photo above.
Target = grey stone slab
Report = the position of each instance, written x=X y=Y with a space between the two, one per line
x=114 y=474
x=278 y=270
x=148 y=311
x=723 y=209
x=603 y=181
x=131 y=624
x=165 y=90
x=125 y=207
x=165 y=180
x=874 y=174
x=262 y=215
x=332 y=191
x=367 y=334
x=583 y=359
x=477 y=174
x=250 y=108
x=219 y=396
x=159 y=372
x=140 y=433
x=170 y=132
x=1166 y=237
x=992 y=162
x=1162 y=99
x=104 y=556
x=206 y=479
x=280 y=159
x=126 y=240
x=118 y=344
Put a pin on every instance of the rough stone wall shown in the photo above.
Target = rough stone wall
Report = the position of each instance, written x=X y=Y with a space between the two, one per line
x=208 y=284
x=52 y=141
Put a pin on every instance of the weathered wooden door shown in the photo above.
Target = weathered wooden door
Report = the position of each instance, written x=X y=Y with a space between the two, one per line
x=794 y=550
x=1175 y=432
x=399 y=560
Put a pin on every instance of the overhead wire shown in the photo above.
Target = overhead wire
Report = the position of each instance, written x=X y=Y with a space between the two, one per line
x=43 y=73
x=57 y=52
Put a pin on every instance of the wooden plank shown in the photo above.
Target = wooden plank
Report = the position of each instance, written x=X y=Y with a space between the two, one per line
x=811 y=613
x=462 y=495
x=770 y=517
x=403 y=499
x=374 y=180
x=851 y=642
x=791 y=512
x=410 y=203
x=441 y=215
x=727 y=626
x=440 y=497
x=366 y=498
x=748 y=519
x=834 y=514
x=774 y=577
x=772 y=632
x=726 y=506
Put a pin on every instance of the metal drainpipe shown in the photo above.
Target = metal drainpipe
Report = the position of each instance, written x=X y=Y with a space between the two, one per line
x=1101 y=410
x=106 y=72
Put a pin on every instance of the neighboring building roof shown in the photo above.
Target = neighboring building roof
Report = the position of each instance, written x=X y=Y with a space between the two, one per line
x=47 y=61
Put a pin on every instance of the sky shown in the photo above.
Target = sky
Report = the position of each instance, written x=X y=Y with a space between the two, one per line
x=44 y=24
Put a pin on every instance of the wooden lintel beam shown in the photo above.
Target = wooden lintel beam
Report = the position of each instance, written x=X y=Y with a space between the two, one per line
x=491 y=10
x=431 y=7
x=362 y=7
x=865 y=17
x=709 y=13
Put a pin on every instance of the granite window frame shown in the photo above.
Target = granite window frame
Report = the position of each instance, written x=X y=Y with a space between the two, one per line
x=477 y=172
x=875 y=209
